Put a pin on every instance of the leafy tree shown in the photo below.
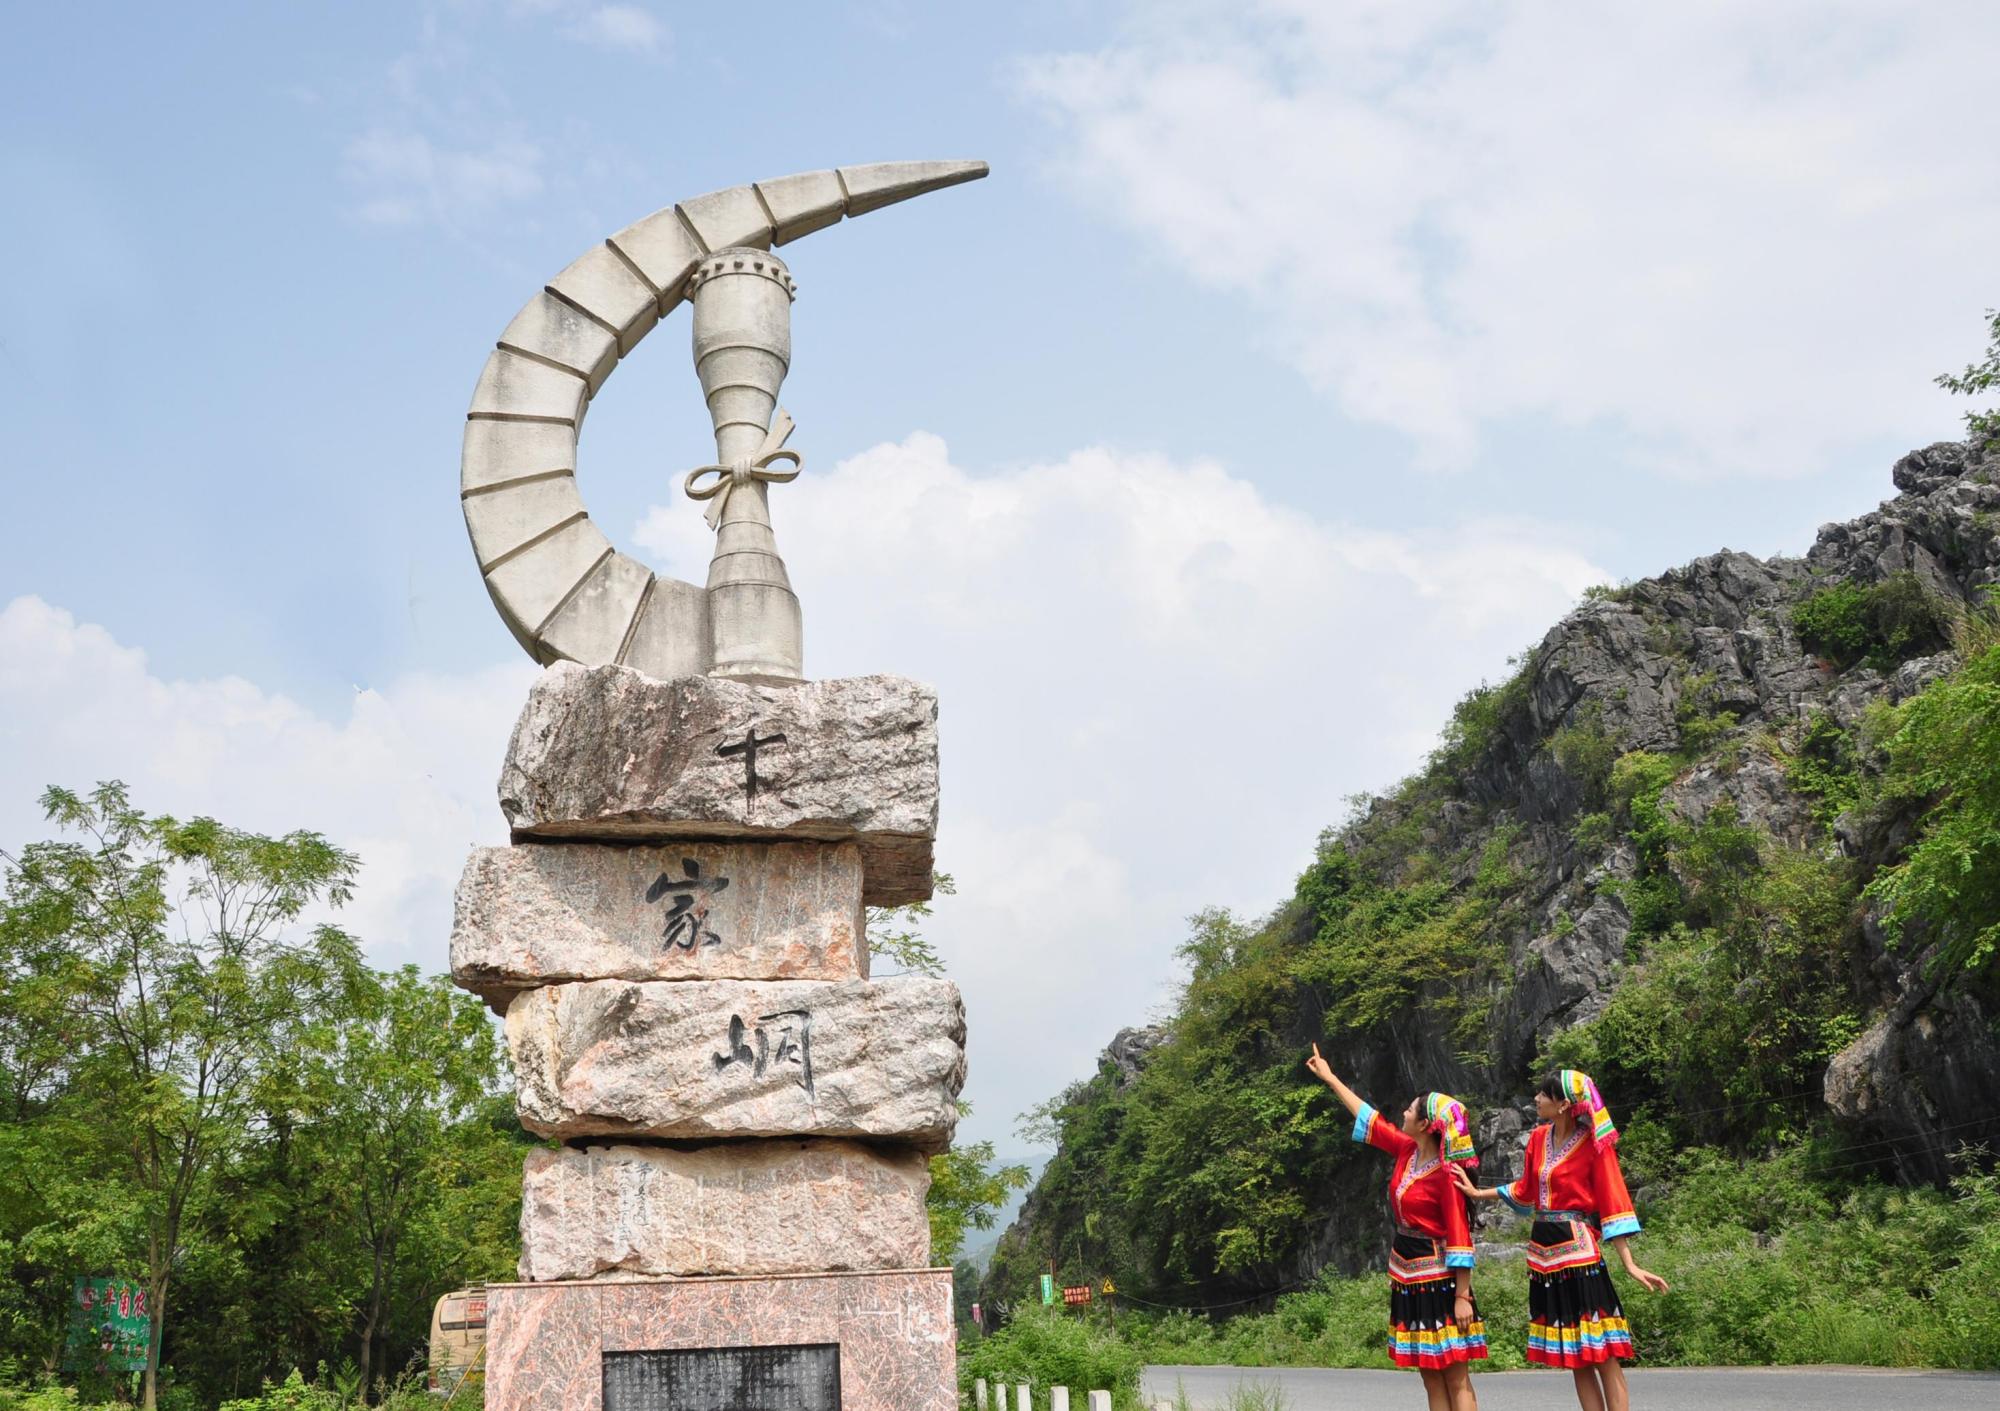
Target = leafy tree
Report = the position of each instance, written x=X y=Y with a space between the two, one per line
x=177 y=971
x=1944 y=755
x=967 y=1191
x=387 y=1090
x=893 y=933
x=1978 y=378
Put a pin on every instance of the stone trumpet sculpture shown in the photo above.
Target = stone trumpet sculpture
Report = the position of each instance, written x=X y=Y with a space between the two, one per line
x=677 y=933
x=742 y=348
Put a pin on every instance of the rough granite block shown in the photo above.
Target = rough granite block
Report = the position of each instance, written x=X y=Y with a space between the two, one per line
x=607 y=753
x=706 y=1059
x=767 y=1207
x=545 y=1343
x=544 y=913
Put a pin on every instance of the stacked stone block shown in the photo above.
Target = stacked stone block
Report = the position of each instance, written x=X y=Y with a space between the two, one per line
x=676 y=937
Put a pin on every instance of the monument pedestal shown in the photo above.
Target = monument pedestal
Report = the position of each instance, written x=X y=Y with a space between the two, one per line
x=881 y=1341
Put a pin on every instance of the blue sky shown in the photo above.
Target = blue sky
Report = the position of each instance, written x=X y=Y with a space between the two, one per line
x=1296 y=364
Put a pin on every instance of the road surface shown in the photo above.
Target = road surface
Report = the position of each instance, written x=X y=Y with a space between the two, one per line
x=1653 y=1389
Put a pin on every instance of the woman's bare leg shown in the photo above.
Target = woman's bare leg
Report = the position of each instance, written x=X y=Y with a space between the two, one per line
x=1588 y=1395
x=1434 y=1392
x=1611 y=1376
x=1458 y=1386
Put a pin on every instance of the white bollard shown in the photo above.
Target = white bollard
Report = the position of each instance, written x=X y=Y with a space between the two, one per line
x=1100 y=1401
x=1058 y=1399
x=979 y=1394
x=1021 y=1401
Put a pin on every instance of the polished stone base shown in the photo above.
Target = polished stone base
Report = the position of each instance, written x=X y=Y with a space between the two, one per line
x=545 y=1342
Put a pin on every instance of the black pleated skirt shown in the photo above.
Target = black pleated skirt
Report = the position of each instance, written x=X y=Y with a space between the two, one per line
x=1574 y=1316
x=1423 y=1328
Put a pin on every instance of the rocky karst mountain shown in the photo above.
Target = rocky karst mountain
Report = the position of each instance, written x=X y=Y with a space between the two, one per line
x=1674 y=791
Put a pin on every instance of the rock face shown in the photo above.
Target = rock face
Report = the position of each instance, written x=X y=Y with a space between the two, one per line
x=1714 y=636
x=1708 y=651
x=706 y=1059
x=543 y=913
x=776 y=1207
x=606 y=753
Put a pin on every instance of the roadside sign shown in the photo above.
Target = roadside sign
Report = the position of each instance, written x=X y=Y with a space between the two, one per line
x=1048 y=1289
x=109 y=1327
x=1080 y=1293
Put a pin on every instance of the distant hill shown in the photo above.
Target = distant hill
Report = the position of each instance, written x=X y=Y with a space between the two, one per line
x=979 y=1244
x=1649 y=853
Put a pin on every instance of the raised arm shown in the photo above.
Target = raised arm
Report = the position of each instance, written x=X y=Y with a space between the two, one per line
x=1369 y=1126
x=1323 y=1071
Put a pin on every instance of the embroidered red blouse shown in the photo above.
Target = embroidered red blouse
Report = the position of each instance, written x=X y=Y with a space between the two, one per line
x=1422 y=1196
x=1578 y=1176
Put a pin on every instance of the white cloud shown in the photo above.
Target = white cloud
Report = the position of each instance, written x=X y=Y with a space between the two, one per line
x=404 y=178
x=1746 y=236
x=1156 y=688
x=405 y=779
x=628 y=27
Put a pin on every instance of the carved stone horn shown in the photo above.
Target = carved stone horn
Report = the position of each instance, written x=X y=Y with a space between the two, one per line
x=561 y=587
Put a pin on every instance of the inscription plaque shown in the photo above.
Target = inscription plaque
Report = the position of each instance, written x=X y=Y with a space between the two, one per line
x=803 y=1377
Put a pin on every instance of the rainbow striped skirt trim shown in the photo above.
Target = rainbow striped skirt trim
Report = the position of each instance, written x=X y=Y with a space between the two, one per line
x=1574 y=1316
x=1422 y=1330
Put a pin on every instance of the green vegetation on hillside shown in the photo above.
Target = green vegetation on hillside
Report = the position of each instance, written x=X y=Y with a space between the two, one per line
x=1208 y=1177
x=1879 y=623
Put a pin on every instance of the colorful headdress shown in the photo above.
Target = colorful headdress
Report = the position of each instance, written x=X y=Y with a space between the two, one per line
x=1446 y=1115
x=1581 y=1091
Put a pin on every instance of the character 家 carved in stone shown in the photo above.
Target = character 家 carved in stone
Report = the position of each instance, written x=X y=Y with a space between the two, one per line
x=686 y=921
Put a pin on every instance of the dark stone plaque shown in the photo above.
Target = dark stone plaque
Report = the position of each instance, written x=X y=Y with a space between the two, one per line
x=805 y=1377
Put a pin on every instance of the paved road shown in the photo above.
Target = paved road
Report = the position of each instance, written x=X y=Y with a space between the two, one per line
x=1653 y=1389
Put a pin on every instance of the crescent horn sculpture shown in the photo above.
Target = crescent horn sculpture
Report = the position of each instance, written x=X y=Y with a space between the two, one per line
x=564 y=592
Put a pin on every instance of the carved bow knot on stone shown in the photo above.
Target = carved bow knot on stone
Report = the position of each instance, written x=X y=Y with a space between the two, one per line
x=747 y=469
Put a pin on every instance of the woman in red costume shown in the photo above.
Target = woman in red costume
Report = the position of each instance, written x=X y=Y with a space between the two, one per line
x=1570 y=1183
x=1433 y=1323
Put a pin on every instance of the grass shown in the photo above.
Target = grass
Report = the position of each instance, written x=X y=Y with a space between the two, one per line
x=1768 y=1266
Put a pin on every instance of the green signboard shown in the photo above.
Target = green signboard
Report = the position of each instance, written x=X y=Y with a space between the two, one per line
x=1048 y=1289
x=109 y=1327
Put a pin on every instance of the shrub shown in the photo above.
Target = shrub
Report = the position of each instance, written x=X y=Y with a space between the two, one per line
x=1770 y=1264
x=1945 y=755
x=1882 y=623
x=1478 y=725
x=1586 y=752
x=1702 y=725
x=1048 y=1347
x=1825 y=768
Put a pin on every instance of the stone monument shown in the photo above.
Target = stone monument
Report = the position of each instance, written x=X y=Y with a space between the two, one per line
x=735 y=1219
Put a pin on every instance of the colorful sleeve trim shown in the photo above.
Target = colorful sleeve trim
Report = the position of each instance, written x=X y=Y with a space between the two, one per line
x=1507 y=1195
x=1363 y=1120
x=1458 y=1257
x=1621 y=1225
